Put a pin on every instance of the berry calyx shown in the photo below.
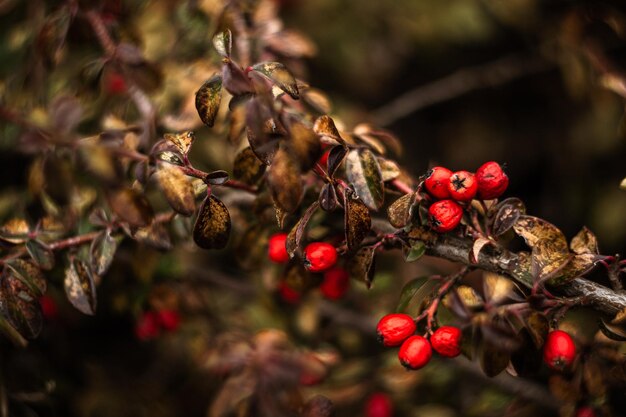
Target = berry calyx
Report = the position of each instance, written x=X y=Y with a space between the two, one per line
x=276 y=249
x=446 y=341
x=336 y=283
x=559 y=350
x=492 y=181
x=169 y=320
x=147 y=326
x=415 y=352
x=445 y=215
x=319 y=256
x=393 y=329
x=437 y=182
x=463 y=186
x=378 y=405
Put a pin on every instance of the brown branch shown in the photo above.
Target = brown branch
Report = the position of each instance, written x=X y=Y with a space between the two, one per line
x=465 y=80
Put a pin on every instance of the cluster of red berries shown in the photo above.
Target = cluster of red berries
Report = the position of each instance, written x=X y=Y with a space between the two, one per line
x=318 y=257
x=151 y=323
x=415 y=351
x=450 y=188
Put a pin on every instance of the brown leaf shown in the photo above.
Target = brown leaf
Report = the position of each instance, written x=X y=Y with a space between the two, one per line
x=584 y=242
x=478 y=245
x=335 y=157
x=507 y=214
x=99 y=161
x=492 y=360
x=284 y=180
x=182 y=141
x=223 y=43
x=548 y=262
x=264 y=134
x=80 y=287
x=534 y=230
x=247 y=167
x=131 y=206
x=156 y=235
x=497 y=288
x=20 y=305
x=305 y=144
x=212 y=227
x=101 y=252
x=389 y=169
x=328 y=198
x=538 y=327
x=15 y=231
x=362 y=265
x=577 y=266
x=294 y=238
x=176 y=188
x=280 y=76
x=400 y=212
x=363 y=172
x=325 y=126
x=317 y=100
x=208 y=99
x=357 y=220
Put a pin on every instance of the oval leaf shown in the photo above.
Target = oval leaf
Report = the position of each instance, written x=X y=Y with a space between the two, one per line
x=41 y=254
x=19 y=305
x=208 y=99
x=362 y=265
x=357 y=220
x=218 y=177
x=101 y=252
x=177 y=188
x=247 y=167
x=80 y=287
x=212 y=228
x=364 y=173
x=584 y=242
x=328 y=198
x=416 y=250
x=223 y=43
x=507 y=214
x=284 y=180
x=294 y=238
x=280 y=76
x=400 y=212
x=182 y=141
x=131 y=206
x=411 y=291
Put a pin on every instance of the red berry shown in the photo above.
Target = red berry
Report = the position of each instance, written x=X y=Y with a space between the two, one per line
x=445 y=215
x=115 y=83
x=336 y=283
x=288 y=294
x=276 y=249
x=585 y=412
x=437 y=182
x=415 y=352
x=492 y=181
x=463 y=186
x=446 y=341
x=169 y=320
x=393 y=329
x=319 y=256
x=379 y=405
x=559 y=350
x=147 y=327
x=48 y=307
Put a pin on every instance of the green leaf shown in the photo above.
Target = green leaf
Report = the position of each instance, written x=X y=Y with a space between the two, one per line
x=212 y=228
x=41 y=254
x=223 y=43
x=364 y=174
x=101 y=252
x=415 y=251
x=80 y=286
x=280 y=76
x=208 y=99
x=410 y=292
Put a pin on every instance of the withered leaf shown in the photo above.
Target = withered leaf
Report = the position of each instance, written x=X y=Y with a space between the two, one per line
x=223 y=43
x=362 y=265
x=15 y=231
x=400 y=212
x=305 y=144
x=389 y=169
x=325 y=126
x=101 y=252
x=20 y=305
x=335 y=157
x=29 y=274
x=584 y=242
x=328 y=198
x=364 y=174
x=156 y=235
x=507 y=214
x=177 y=188
x=131 y=206
x=41 y=254
x=208 y=99
x=212 y=228
x=284 y=180
x=538 y=327
x=235 y=81
x=578 y=265
x=182 y=141
x=547 y=262
x=478 y=245
x=492 y=360
x=247 y=167
x=534 y=229
x=357 y=220
x=294 y=238
x=263 y=132
x=280 y=76
x=80 y=287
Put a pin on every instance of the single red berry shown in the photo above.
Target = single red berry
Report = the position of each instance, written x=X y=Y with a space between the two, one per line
x=288 y=294
x=276 y=249
x=115 y=83
x=379 y=405
x=585 y=412
x=437 y=182
x=319 y=256
x=335 y=284
x=559 y=350
x=323 y=161
x=446 y=341
x=393 y=329
x=445 y=215
x=492 y=181
x=169 y=320
x=463 y=186
x=147 y=326
x=49 y=307
x=415 y=352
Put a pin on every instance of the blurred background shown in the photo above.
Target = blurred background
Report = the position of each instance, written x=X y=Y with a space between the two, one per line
x=536 y=85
